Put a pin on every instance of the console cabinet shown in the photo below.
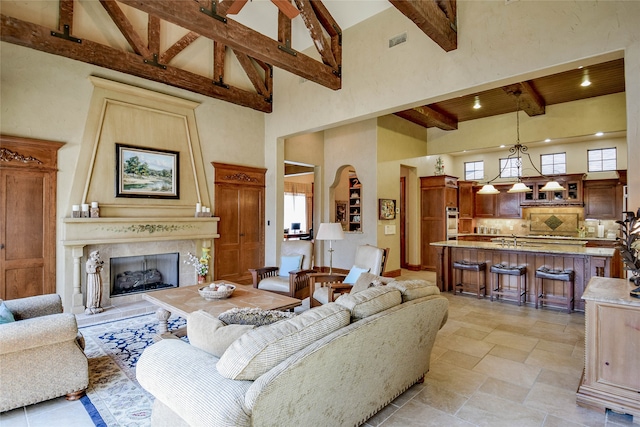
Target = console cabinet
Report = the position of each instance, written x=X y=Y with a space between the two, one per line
x=611 y=378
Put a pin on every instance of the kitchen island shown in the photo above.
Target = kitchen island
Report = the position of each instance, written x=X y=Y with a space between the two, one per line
x=587 y=262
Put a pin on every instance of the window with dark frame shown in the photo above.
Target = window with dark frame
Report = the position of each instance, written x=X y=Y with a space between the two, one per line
x=553 y=163
x=602 y=159
x=474 y=170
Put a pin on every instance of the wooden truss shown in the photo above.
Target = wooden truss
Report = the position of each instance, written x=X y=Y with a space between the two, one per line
x=256 y=53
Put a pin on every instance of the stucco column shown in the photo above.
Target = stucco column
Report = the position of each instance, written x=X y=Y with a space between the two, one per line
x=77 y=301
x=632 y=86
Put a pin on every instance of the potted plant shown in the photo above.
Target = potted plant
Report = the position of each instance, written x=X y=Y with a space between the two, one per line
x=201 y=265
x=629 y=246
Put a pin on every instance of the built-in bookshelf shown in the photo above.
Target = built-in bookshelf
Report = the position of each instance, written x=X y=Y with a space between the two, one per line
x=355 y=203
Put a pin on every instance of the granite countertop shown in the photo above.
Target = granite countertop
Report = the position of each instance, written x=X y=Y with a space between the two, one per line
x=551 y=248
x=604 y=289
x=533 y=236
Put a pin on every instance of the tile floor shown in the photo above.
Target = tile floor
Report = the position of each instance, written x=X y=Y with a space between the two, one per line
x=493 y=364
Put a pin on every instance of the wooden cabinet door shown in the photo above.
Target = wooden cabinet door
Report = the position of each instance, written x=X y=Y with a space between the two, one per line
x=603 y=199
x=27 y=217
x=239 y=203
x=465 y=199
x=508 y=204
x=485 y=205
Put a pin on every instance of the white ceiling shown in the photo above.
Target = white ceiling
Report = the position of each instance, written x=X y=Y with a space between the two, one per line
x=262 y=16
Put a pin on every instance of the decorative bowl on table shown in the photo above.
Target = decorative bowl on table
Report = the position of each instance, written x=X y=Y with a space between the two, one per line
x=216 y=291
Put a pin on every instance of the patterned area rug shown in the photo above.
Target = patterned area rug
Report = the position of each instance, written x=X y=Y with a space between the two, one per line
x=114 y=397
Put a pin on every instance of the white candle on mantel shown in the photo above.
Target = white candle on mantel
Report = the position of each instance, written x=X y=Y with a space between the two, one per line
x=75 y=208
x=94 y=204
x=85 y=206
x=198 y=207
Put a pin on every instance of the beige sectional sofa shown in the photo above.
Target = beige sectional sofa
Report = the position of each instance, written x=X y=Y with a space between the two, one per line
x=334 y=365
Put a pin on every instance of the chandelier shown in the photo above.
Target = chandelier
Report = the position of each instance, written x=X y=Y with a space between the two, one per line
x=518 y=152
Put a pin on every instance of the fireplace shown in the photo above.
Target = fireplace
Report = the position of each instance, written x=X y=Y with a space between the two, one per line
x=133 y=274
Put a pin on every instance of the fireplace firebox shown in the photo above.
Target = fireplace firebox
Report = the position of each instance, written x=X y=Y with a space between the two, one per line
x=143 y=273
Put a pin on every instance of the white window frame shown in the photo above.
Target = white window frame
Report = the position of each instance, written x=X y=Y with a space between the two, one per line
x=598 y=157
x=474 y=170
x=509 y=167
x=556 y=163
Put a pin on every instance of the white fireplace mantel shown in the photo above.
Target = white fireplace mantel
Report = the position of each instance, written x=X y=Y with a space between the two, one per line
x=80 y=232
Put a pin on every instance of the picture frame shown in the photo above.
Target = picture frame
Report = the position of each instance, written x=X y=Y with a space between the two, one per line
x=147 y=173
x=386 y=209
x=341 y=212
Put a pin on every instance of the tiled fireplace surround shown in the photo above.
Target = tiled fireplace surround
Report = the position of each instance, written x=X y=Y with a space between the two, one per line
x=117 y=237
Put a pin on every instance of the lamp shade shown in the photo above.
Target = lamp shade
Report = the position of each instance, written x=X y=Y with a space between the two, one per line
x=330 y=231
x=519 y=187
x=552 y=186
x=488 y=189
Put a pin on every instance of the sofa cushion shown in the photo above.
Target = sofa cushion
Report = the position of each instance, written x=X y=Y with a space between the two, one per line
x=210 y=334
x=253 y=316
x=289 y=263
x=354 y=273
x=260 y=349
x=414 y=289
x=368 y=280
x=370 y=301
x=5 y=315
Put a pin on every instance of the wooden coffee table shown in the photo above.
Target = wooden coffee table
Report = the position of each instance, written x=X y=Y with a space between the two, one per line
x=185 y=300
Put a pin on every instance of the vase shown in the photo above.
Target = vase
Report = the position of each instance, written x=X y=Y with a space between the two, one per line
x=201 y=279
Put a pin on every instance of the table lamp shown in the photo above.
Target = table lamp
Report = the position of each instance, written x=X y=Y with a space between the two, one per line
x=330 y=231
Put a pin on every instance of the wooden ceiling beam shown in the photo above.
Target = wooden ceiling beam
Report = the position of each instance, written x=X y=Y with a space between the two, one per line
x=188 y=15
x=332 y=28
x=252 y=73
x=432 y=20
x=125 y=27
x=16 y=31
x=153 y=35
x=178 y=47
x=287 y=8
x=219 y=54
x=529 y=100
x=315 y=29
x=65 y=16
x=428 y=117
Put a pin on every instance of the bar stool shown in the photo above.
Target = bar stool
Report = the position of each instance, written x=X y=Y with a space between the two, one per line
x=459 y=267
x=498 y=270
x=565 y=276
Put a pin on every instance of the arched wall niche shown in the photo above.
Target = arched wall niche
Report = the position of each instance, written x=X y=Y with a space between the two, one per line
x=345 y=199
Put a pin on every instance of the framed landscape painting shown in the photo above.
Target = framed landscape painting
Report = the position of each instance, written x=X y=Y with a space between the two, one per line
x=149 y=173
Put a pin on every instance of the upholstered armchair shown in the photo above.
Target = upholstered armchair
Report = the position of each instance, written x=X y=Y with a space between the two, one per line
x=325 y=287
x=40 y=353
x=291 y=277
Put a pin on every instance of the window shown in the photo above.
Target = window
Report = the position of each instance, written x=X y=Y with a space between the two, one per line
x=295 y=210
x=553 y=163
x=603 y=159
x=510 y=167
x=473 y=170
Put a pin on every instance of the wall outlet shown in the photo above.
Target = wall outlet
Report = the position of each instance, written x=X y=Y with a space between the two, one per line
x=511 y=228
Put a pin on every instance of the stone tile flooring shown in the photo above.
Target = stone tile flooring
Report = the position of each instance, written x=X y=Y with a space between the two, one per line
x=494 y=364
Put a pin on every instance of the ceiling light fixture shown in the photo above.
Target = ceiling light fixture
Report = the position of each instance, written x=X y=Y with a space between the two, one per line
x=599 y=133
x=585 y=78
x=476 y=104
x=518 y=151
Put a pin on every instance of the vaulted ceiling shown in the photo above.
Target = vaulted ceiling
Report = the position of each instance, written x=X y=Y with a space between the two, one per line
x=256 y=53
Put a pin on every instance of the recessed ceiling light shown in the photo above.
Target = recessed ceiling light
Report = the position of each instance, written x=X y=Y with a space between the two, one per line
x=599 y=133
x=585 y=79
x=476 y=104
x=547 y=140
x=502 y=146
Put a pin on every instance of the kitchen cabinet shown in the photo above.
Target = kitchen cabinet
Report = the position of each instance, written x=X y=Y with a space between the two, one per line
x=603 y=199
x=503 y=205
x=571 y=195
x=485 y=204
x=465 y=206
x=436 y=194
x=611 y=377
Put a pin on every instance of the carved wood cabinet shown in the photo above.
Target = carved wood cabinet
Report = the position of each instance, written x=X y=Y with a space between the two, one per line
x=28 y=170
x=239 y=203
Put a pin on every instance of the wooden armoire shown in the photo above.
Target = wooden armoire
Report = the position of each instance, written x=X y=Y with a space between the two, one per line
x=28 y=171
x=239 y=193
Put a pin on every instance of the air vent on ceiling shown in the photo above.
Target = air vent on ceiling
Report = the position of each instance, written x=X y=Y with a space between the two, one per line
x=394 y=41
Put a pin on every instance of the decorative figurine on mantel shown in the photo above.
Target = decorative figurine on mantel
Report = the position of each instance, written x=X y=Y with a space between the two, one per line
x=439 y=166
x=94 y=283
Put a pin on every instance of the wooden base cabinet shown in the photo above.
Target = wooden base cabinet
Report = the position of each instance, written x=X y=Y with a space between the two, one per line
x=611 y=378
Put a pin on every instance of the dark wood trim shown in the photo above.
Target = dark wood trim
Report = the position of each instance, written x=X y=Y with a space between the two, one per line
x=432 y=20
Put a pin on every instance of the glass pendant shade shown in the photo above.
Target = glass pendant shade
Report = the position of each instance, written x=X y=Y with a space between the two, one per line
x=552 y=186
x=488 y=189
x=519 y=187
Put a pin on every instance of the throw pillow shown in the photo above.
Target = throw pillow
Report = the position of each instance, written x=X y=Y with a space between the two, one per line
x=5 y=315
x=353 y=275
x=289 y=263
x=253 y=316
x=261 y=349
x=370 y=301
x=414 y=289
x=368 y=280
x=210 y=334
